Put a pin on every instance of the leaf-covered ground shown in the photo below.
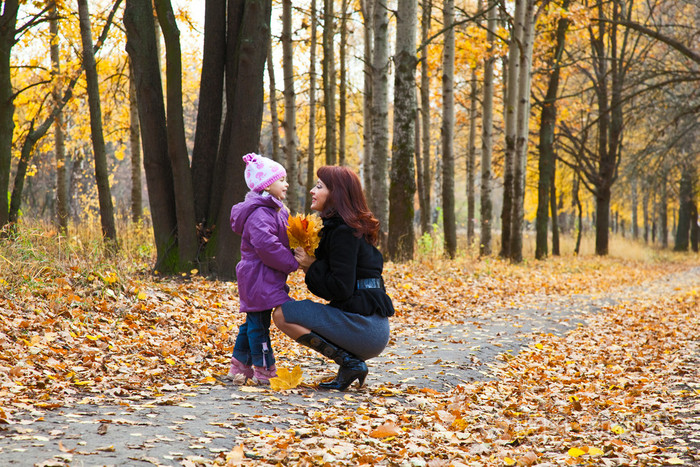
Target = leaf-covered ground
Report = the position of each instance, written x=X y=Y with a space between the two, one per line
x=621 y=390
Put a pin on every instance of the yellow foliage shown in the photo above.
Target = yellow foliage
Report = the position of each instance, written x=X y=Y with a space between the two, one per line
x=286 y=379
x=303 y=231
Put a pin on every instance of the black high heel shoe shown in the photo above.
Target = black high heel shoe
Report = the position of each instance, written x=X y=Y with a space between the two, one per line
x=351 y=367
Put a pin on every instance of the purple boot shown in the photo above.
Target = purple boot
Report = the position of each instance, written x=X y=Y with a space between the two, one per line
x=239 y=372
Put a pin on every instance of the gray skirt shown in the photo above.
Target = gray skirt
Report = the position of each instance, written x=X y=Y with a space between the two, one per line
x=364 y=336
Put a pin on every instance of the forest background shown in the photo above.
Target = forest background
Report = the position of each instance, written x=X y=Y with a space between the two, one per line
x=495 y=120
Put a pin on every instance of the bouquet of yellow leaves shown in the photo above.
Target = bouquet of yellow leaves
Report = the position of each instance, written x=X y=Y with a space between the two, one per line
x=303 y=231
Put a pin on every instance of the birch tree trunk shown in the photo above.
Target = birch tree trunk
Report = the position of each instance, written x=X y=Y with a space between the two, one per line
x=59 y=138
x=448 y=120
x=274 y=115
x=487 y=134
x=511 y=130
x=403 y=177
x=310 y=169
x=98 y=144
x=426 y=206
x=329 y=80
x=523 y=120
x=290 y=118
x=379 y=199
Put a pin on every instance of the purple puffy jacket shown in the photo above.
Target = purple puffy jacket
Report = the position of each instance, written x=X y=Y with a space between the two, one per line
x=266 y=259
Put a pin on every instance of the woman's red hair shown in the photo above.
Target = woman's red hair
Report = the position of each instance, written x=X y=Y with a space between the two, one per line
x=347 y=199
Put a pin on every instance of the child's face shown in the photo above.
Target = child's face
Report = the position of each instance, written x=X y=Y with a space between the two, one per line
x=279 y=188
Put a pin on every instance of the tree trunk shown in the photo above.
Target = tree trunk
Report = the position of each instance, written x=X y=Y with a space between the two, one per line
x=645 y=214
x=310 y=169
x=511 y=129
x=685 y=202
x=379 y=199
x=523 y=125
x=425 y=209
x=579 y=209
x=448 y=128
x=367 y=7
x=8 y=26
x=274 y=115
x=403 y=178
x=553 y=207
x=471 y=160
x=188 y=244
x=329 y=80
x=487 y=136
x=249 y=26
x=135 y=146
x=663 y=211
x=209 y=111
x=635 y=208
x=548 y=120
x=343 y=89
x=694 y=227
x=59 y=138
x=98 y=144
x=142 y=49
x=290 y=118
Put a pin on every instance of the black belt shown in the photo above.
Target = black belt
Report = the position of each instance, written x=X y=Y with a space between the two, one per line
x=371 y=283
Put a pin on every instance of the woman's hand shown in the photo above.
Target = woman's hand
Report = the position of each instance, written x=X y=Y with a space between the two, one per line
x=303 y=258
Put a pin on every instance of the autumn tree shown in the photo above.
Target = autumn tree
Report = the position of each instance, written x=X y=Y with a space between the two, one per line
x=448 y=124
x=403 y=182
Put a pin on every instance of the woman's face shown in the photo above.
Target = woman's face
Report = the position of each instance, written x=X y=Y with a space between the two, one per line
x=319 y=195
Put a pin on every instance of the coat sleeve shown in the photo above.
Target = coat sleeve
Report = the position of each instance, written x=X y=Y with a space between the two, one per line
x=334 y=277
x=262 y=233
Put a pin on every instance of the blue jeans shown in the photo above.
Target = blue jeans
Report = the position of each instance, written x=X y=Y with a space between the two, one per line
x=253 y=346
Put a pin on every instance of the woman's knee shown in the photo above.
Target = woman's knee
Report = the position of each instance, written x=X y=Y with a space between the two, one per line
x=278 y=317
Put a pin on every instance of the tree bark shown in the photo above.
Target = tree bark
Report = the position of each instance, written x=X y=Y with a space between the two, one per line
x=487 y=135
x=177 y=146
x=511 y=131
x=471 y=159
x=98 y=144
x=367 y=8
x=448 y=123
x=555 y=217
x=379 y=199
x=135 y=146
x=62 y=208
x=310 y=169
x=209 y=111
x=329 y=80
x=248 y=27
x=403 y=178
x=685 y=202
x=290 y=119
x=548 y=120
x=8 y=26
x=274 y=114
x=142 y=49
x=426 y=146
x=523 y=126
x=343 y=88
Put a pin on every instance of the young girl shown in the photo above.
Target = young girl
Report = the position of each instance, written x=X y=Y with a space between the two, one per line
x=266 y=260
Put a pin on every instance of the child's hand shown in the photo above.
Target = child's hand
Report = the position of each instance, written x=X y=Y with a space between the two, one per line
x=303 y=258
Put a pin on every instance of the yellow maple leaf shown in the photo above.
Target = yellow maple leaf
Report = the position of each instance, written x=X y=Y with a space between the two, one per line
x=286 y=379
x=303 y=231
x=576 y=452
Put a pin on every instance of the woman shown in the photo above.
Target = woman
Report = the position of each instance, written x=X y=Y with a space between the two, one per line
x=346 y=271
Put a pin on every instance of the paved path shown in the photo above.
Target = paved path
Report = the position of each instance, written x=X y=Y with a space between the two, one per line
x=191 y=424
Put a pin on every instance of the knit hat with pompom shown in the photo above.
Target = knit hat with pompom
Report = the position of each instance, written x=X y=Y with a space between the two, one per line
x=261 y=172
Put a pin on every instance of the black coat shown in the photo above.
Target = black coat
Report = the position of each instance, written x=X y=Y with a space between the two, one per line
x=342 y=259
